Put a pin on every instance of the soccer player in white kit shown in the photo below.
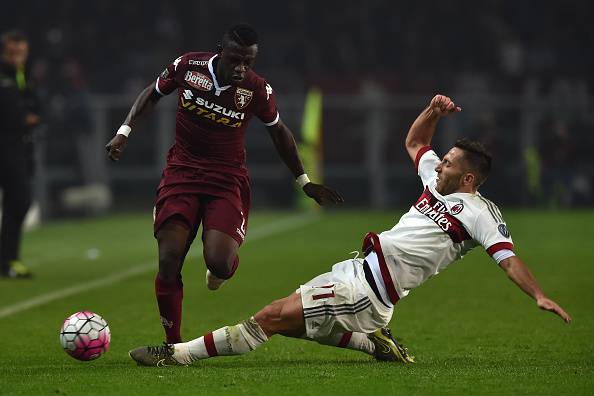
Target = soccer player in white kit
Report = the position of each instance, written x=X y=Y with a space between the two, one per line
x=351 y=306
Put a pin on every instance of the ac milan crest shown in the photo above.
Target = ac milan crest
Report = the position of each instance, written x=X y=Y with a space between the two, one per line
x=456 y=209
x=243 y=97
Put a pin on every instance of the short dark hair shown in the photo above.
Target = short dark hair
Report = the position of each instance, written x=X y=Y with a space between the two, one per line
x=241 y=34
x=477 y=157
x=12 y=35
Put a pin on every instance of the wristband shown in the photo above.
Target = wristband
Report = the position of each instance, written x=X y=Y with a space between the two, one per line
x=302 y=180
x=124 y=130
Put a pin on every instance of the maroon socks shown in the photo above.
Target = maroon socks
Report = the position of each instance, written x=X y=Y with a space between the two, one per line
x=169 y=298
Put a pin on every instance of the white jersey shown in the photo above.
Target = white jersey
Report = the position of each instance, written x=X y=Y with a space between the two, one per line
x=436 y=231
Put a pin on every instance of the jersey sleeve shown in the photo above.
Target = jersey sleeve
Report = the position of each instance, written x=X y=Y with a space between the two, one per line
x=266 y=109
x=491 y=231
x=167 y=82
x=425 y=163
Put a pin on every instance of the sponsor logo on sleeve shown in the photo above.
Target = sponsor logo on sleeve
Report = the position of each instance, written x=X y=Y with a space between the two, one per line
x=198 y=80
x=503 y=230
x=243 y=97
x=268 y=91
x=165 y=74
x=456 y=209
x=176 y=62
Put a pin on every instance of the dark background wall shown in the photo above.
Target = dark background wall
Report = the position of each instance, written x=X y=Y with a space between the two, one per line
x=521 y=70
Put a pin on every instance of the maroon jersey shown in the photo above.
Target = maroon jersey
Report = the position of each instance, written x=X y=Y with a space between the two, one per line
x=211 y=120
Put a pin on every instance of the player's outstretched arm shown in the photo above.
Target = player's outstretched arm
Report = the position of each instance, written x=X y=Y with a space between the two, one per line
x=422 y=130
x=284 y=142
x=143 y=104
x=518 y=272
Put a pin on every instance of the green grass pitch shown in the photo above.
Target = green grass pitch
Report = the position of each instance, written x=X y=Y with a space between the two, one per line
x=471 y=329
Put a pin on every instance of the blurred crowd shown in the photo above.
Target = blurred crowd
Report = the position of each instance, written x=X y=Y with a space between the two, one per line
x=521 y=49
x=418 y=46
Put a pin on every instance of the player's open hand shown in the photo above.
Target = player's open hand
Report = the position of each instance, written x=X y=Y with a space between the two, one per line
x=322 y=194
x=443 y=105
x=549 y=305
x=116 y=147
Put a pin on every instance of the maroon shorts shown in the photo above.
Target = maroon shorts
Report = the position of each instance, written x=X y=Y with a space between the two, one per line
x=219 y=202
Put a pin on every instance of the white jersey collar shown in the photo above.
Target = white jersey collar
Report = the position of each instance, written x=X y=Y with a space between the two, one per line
x=218 y=88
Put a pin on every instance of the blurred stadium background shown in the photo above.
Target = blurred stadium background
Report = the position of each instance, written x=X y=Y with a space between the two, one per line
x=520 y=70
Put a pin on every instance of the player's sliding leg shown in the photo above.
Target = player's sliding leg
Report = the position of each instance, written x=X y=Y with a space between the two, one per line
x=348 y=340
x=220 y=256
x=283 y=316
x=343 y=299
x=229 y=340
x=380 y=344
x=173 y=239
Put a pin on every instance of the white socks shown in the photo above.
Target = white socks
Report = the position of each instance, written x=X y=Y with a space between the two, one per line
x=349 y=340
x=248 y=335
x=229 y=340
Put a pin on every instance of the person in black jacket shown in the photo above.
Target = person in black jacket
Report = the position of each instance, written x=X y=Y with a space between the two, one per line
x=19 y=114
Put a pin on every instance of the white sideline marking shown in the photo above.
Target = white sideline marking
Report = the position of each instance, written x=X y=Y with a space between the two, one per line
x=259 y=233
x=80 y=254
x=69 y=291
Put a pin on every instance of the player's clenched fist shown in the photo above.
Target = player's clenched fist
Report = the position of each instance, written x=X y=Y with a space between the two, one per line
x=443 y=105
x=116 y=147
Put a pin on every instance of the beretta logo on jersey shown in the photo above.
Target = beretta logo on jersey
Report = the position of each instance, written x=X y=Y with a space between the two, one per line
x=243 y=97
x=198 y=80
x=456 y=209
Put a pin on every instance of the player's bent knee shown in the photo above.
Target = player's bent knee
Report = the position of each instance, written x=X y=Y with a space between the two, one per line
x=220 y=265
x=269 y=313
x=220 y=254
x=291 y=315
x=284 y=316
x=269 y=317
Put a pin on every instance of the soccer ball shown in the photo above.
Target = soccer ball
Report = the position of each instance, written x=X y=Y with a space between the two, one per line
x=85 y=335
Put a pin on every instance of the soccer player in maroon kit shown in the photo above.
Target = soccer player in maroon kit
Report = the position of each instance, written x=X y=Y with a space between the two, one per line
x=206 y=179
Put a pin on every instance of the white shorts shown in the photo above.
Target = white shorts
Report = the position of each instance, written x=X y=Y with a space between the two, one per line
x=341 y=301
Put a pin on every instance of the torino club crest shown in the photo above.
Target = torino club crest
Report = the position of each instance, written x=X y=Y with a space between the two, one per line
x=243 y=97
